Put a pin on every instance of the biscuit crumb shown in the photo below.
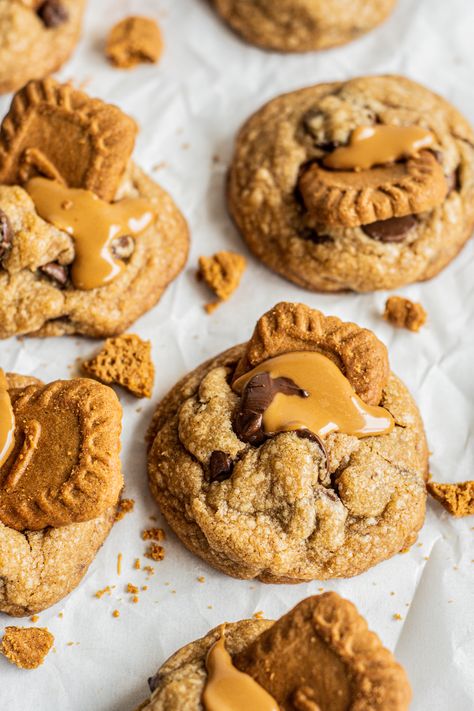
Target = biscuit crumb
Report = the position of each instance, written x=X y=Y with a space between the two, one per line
x=153 y=534
x=457 y=499
x=115 y=613
x=137 y=565
x=404 y=313
x=27 y=647
x=125 y=506
x=258 y=615
x=134 y=40
x=132 y=589
x=135 y=599
x=119 y=564
x=126 y=361
x=201 y=579
x=396 y=616
x=34 y=618
x=155 y=552
x=104 y=591
x=149 y=570
x=222 y=273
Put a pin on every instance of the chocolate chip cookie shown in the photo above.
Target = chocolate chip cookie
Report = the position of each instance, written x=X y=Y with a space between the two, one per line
x=302 y=25
x=363 y=185
x=60 y=480
x=36 y=38
x=88 y=242
x=295 y=456
x=320 y=655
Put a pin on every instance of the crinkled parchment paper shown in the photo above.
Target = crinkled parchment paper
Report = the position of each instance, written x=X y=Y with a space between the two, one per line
x=189 y=108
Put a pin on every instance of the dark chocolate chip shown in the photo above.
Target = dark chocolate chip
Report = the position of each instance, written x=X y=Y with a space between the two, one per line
x=52 y=13
x=307 y=434
x=6 y=234
x=123 y=247
x=57 y=272
x=154 y=682
x=314 y=237
x=453 y=181
x=257 y=396
x=220 y=466
x=393 y=230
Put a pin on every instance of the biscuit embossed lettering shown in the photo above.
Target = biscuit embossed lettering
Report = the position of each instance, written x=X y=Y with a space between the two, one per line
x=7 y=421
x=93 y=224
x=329 y=403
x=229 y=689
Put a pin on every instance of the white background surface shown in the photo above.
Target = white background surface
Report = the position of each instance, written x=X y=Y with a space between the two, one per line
x=189 y=108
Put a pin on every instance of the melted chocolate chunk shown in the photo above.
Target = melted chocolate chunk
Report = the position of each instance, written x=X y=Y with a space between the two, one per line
x=257 y=396
x=314 y=237
x=56 y=272
x=123 y=247
x=52 y=13
x=307 y=434
x=393 y=230
x=153 y=682
x=220 y=466
x=6 y=234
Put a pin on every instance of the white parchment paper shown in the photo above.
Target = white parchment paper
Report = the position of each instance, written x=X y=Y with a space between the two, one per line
x=189 y=108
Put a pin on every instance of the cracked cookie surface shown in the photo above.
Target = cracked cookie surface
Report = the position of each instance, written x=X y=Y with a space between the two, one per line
x=35 y=302
x=284 y=511
x=270 y=175
x=302 y=25
x=37 y=37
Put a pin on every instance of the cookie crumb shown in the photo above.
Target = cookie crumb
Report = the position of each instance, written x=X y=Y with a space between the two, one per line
x=126 y=361
x=222 y=273
x=153 y=534
x=125 y=506
x=258 y=615
x=135 y=599
x=105 y=591
x=132 y=589
x=34 y=618
x=201 y=579
x=396 y=616
x=115 y=613
x=457 y=499
x=149 y=570
x=155 y=552
x=119 y=564
x=134 y=40
x=404 y=313
x=137 y=565
x=27 y=647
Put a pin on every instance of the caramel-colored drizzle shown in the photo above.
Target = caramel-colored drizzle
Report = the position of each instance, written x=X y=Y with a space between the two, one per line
x=376 y=145
x=93 y=224
x=332 y=405
x=7 y=421
x=228 y=689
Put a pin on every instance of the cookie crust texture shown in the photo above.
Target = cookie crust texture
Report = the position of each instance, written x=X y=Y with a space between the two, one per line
x=285 y=515
x=39 y=568
x=29 y=49
x=294 y=129
x=378 y=682
x=302 y=25
x=35 y=305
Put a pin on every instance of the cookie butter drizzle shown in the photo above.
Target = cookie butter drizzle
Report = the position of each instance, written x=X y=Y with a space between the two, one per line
x=227 y=688
x=331 y=404
x=7 y=421
x=376 y=145
x=93 y=224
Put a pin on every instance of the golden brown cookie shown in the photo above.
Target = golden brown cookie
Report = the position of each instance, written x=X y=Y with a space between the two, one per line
x=37 y=37
x=320 y=655
x=374 y=225
x=39 y=256
x=290 y=506
x=302 y=25
x=134 y=40
x=27 y=647
x=126 y=361
x=59 y=489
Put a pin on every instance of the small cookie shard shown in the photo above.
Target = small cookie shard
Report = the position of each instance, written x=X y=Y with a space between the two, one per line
x=126 y=361
x=295 y=327
x=27 y=647
x=134 y=40
x=47 y=121
x=65 y=465
x=457 y=499
x=404 y=313
x=350 y=198
x=222 y=273
x=321 y=655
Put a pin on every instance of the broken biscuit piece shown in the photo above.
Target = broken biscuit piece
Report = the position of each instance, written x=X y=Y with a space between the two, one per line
x=457 y=499
x=126 y=361
x=134 y=40
x=222 y=273
x=403 y=313
x=27 y=647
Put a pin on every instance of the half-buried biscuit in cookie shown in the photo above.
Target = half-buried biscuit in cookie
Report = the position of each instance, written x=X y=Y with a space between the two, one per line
x=295 y=456
x=366 y=184
x=60 y=480
x=88 y=242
